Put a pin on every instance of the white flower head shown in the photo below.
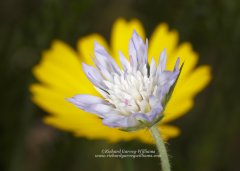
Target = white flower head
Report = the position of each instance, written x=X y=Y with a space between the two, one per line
x=132 y=97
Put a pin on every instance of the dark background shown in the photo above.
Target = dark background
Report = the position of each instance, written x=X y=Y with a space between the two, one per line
x=210 y=139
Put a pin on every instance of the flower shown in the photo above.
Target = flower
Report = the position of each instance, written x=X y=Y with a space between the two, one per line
x=133 y=97
x=60 y=75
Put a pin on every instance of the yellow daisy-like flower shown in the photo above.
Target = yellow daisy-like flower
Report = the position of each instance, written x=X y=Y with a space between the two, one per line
x=60 y=74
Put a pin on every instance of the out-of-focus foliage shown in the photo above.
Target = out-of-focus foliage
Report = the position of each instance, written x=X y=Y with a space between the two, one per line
x=210 y=139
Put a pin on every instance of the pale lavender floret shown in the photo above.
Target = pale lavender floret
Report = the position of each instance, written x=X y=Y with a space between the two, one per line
x=137 y=51
x=153 y=67
x=167 y=79
x=104 y=62
x=132 y=120
x=120 y=121
x=113 y=83
x=124 y=62
x=162 y=61
x=104 y=59
x=94 y=76
x=92 y=104
x=148 y=117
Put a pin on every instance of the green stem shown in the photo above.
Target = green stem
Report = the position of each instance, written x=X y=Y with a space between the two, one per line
x=161 y=148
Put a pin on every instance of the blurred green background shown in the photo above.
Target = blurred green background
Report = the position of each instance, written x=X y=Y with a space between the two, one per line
x=210 y=139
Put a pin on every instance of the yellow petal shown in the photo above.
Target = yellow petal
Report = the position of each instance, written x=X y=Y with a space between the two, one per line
x=60 y=73
x=60 y=79
x=63 y=56
x=115 y=135
x=176 y=109
x=61 y=69
x=184 y=92
x=52 y=100
x=85 y=46
x=195 y=82
x=168 y=131
x=160 y=39
x=68 y=117
x=186 y=55
x=121 y=34
x=99 y=131
x=96 y=130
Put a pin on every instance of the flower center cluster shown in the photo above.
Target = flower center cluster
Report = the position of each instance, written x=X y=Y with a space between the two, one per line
x=129 y=92
x=132 y=97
